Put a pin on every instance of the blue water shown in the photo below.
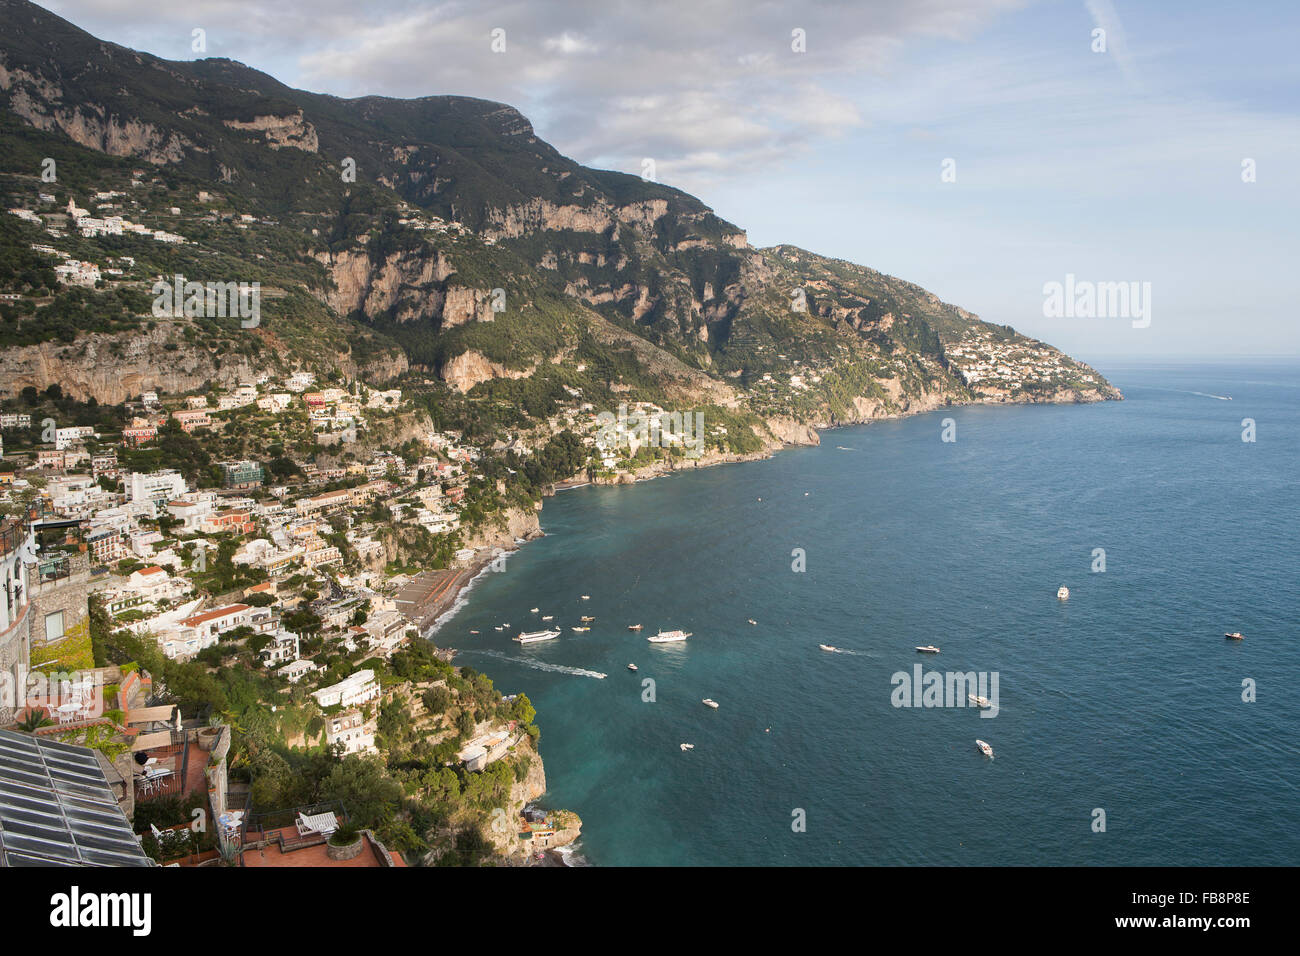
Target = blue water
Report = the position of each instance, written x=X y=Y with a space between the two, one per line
x=1126 y=697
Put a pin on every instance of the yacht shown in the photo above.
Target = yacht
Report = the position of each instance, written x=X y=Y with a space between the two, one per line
x=631 y=667
x=985 y=749
x=979 y=701
x=927 y=649
x=634 y=627
x=1063 y=593
x=668 y=637
x=710 y=702
x=828 y=647
x=531 y=637
x=1235 y=636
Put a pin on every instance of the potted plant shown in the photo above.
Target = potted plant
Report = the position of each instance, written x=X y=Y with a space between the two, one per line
x=344 y=843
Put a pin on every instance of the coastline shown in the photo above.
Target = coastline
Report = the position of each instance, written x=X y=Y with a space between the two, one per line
x=798 y=435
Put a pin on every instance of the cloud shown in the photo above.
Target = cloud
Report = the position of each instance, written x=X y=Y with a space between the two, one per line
x=715 y=84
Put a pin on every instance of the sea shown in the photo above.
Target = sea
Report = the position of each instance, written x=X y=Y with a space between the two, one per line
x=1126 y=730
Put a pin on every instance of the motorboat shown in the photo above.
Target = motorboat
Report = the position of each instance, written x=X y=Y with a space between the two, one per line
x=710 y=702
x=1063 y=593
x=984 y=748
x=979 y=701
x=927 y=649
x=532 y=637
x=533 y=610
x=1235 y=636
x=580 y=629
x=631 y=667
x=828 y=647
x=688 y=746
x=585 y=619
x=634 y=627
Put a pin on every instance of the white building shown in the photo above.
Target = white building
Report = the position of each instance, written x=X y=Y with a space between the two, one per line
x=353 y=691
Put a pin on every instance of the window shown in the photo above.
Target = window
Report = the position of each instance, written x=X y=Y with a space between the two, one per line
x=54 y=626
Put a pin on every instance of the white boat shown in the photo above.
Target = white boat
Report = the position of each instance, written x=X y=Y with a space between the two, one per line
x=531 y=637
x=1234 y=636
x=927 y=649
x=752 y=621
x=985 y=749
x=473 y=632
x=580 y=629
x=634 y=627
x=548 y=617
x=979 y=701
x=688 y=746
x=533 y=610
x=668 y=637
x=710 y=702
x=828 y=647
x=586 y=597
x=1063 y=593
x=631 y=667
x=500 y=628
x=586 y=619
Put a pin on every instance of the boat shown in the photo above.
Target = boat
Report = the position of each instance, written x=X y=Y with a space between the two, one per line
x=586 y=597
x=688 y=746
x=631 y=667
x=548 y=617
x=531 y=637
x=828 y=647
x=473 y=632
x=979 y=701
x=586 y=619
x=533 y=610
x=580 y=629
x=710 y=702
x=1063 y=593
x=752 y=621
x=634 y=627
x=985 y=749
x=927 y=649
x=668 y=637
x=500 y=628
x=1235 y=636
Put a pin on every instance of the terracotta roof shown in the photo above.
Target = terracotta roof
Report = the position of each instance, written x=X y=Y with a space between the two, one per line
x=214 y=614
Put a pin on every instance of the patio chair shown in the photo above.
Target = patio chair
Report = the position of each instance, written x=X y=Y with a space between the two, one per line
x=312 y=823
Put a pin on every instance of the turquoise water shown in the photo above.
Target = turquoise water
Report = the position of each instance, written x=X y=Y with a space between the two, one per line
x=1126 y=697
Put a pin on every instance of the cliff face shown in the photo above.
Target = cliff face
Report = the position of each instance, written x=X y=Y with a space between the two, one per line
x=112 y=368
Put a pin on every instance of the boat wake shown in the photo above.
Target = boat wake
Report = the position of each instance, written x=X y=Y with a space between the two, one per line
x=540 y=665
x=1187 y=391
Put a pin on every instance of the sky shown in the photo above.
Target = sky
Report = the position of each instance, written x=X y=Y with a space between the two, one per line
x=982 y=149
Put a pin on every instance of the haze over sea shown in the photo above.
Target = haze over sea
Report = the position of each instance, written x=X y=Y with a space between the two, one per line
x=1126 y=697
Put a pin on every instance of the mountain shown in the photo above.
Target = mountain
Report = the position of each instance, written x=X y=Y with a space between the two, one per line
x=465 y=252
